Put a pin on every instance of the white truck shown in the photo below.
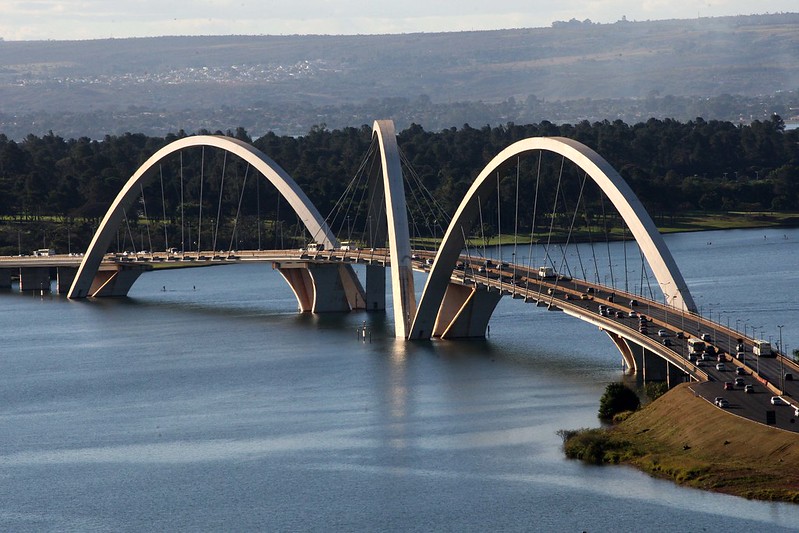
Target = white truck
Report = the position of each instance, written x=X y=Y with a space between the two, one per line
x=546 y=272
x=696 y=346
x=762 y=349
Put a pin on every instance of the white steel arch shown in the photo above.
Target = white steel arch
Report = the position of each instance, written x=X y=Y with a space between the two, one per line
x=285 y=185
x=601 y=172
x=399 y=240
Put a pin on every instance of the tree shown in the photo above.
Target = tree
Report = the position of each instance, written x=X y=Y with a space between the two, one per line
x=618 y=398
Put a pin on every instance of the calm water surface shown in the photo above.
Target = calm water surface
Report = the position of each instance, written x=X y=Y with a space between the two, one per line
x=213 y=405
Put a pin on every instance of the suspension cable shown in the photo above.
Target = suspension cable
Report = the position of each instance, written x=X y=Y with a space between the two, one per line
x=219 y=205
x=163 y=206
x=182 y=236
x=200 y=220
x=238 y=209
x=144 y=208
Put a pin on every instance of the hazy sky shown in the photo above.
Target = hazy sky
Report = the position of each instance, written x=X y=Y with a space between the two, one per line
x=91 y=19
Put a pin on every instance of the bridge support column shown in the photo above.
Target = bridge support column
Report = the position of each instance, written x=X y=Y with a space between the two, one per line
x=116 y=282
x=375 y=288
x=649 y=365
x=627 y=357
x=5 y=278
x=318 y=287
x=64 y=278
x=676 y=375
x=34 y=279
x=465 y=312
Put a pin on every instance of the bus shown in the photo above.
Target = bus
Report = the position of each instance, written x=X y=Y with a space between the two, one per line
x=697 y=346
x=762 y=349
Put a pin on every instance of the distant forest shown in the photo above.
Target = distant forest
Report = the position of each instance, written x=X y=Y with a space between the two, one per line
x=54 y=191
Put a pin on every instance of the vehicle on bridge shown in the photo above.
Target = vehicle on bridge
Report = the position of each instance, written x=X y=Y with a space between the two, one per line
x=762 y=349
x=546 y=272
x=696 y=346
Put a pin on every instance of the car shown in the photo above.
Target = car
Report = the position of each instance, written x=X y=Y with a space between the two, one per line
x=721 y=367
x=619 y=314
x=723 y=403
x=667 y=342
x=663 y=333
x=778 y=400
x=796 y=411
x=632 y=314
x=739 y=382
x=749 y=389
x=568 y=296
x=680 y=335
x=692 y=357
x=788 y=376
x=700 y=362
x=740 y=356
x=721 y=357
x=728 y=385
x=706 y=337
x=611 y=297
x=589 y=289
x=584 y=296
x=633 y=303
x=740 y=371
x=717 y=399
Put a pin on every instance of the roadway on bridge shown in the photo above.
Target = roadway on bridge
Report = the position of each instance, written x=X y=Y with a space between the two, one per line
x=664 y=325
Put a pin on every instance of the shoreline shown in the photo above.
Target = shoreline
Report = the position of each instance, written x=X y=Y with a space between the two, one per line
x=683 y=438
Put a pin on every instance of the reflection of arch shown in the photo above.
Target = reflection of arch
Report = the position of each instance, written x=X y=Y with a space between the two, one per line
x=285 y=185
x=615 y=188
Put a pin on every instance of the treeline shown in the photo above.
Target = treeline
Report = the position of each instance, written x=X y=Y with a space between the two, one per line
x=673 y=166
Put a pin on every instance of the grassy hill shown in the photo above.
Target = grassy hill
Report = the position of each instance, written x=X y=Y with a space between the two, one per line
x=684 y=438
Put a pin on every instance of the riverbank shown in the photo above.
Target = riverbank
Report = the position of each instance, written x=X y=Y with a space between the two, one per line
x=683 y=437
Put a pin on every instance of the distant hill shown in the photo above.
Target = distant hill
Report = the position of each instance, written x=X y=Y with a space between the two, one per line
x=169 y=83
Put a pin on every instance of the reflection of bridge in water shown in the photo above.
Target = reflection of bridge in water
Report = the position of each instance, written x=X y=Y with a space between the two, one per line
x=463 y=285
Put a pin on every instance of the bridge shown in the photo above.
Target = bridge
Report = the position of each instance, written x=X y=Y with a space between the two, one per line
x=463 y=282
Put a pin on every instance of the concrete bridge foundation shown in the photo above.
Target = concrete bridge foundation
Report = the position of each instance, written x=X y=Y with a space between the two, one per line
x=317 y=287
x=375 y=288
x=64 y=278
x=465 y=312
x=116 y=282
x=34 y=279
x=5 y=278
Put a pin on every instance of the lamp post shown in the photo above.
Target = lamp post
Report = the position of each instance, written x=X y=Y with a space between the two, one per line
x=682 y=309
x=663 y=287
x=779 y=354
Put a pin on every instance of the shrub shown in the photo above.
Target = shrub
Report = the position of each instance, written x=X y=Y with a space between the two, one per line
x=656 y=389
x=617 y=399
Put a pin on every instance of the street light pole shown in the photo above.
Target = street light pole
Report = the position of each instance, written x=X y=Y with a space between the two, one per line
x=782 y=373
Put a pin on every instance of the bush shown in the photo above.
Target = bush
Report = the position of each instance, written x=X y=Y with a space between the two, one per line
x=656 y=389
x=617 y=399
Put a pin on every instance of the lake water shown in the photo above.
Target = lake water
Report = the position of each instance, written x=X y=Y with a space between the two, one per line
x=214 y=406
